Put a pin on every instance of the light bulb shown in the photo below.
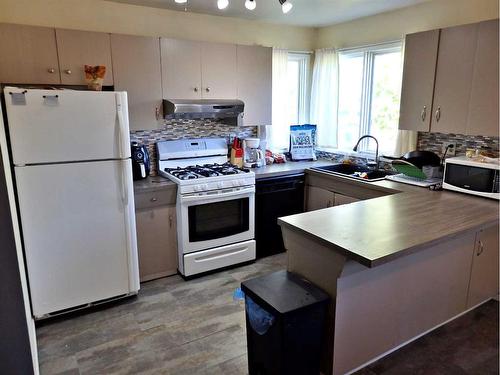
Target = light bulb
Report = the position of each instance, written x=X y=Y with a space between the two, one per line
x=286 y=7
x=250 y=4
x=222 y=4
x=181 y=1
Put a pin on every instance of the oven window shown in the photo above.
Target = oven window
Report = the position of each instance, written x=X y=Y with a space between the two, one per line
x=218 y=220
x=470 y=178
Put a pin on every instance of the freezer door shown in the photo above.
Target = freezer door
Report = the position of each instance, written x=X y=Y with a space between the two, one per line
x=50 y=126
x=78 y=226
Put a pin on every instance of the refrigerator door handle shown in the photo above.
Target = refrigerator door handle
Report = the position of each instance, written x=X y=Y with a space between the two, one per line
x=122 y=140
x=123 y=184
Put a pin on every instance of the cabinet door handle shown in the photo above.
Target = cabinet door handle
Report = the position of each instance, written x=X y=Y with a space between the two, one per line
x=51 y=70
x=329 y=204
x=154 y=199
x=207 y=89
x=438 y=114
x=67 y=71
x=196 y=89
x=157 y=113
x=480 y=248
x=423 y=114
x=170 y=221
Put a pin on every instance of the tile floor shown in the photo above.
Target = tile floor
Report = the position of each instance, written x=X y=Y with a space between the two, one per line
x=195 y=327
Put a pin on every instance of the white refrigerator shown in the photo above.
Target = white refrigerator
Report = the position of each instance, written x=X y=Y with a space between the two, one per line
x=73 y=172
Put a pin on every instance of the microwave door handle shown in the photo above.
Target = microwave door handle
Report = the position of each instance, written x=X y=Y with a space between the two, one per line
x=192 y=198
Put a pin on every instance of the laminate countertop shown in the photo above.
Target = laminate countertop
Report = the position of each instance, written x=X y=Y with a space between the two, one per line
x=378 y=230
x=152 y=184
x=156 y=183
x=288 y=168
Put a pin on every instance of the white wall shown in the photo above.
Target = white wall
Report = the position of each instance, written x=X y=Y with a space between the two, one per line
x=106 y=16
x=394 y=25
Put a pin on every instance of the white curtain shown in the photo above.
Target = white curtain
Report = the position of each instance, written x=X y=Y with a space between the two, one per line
x=406 y=139
x=280 y=124
x=324 y=93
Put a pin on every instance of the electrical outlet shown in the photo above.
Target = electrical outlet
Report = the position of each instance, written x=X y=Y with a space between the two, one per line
x=451 y=151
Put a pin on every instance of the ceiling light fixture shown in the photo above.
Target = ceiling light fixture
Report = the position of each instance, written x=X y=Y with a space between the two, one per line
x=181 y=1
x=286 y=6
x=250 y=4
x=222 y=4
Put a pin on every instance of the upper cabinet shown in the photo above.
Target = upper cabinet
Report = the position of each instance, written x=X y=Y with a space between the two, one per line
x=195 y=70
x=254 y=65
x=456 y=70
x=137 y=70
x=483 y=105
x=218 y=71
x=42 y=55
x=181 y=69
x=29 y=55
x=79 y=48
x=455 y=66
x=419 y=71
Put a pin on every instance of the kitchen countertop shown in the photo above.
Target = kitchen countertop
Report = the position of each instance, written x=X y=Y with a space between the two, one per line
x=290 y=167
x=156 y=183
x=376 y=231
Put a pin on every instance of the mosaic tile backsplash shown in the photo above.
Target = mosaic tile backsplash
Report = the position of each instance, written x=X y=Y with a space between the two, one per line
x=435 y=141
x=182 y=129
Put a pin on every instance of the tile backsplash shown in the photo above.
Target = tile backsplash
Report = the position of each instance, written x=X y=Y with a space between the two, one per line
x=435 y=141
x=182 y=129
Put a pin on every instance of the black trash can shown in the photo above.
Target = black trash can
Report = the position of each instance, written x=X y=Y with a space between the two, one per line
x=285 y=318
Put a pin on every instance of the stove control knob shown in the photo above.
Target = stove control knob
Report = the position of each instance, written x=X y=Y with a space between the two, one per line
x=196 y=188
x=204 y=187
x=220 y=185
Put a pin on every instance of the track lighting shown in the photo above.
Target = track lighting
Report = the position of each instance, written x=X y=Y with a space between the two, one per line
x=286 y=6
x=222 y=4
x=250 y=4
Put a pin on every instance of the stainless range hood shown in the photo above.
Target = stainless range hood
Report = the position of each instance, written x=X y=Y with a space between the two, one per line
x=227 y=111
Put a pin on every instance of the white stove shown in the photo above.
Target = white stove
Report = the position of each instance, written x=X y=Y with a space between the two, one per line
x=215 y=204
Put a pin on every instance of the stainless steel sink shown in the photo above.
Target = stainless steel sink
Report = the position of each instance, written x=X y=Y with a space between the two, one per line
x=355 y=171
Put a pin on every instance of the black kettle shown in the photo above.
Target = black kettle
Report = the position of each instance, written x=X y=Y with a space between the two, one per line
x=141 y=164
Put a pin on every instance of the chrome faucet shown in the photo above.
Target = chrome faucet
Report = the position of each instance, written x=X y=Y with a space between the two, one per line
x=355 y=149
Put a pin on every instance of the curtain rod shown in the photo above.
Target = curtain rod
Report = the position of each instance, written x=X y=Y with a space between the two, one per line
x=369 y=45
x=302 y=52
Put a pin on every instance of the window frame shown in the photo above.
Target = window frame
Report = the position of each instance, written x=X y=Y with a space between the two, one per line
x=368 y=53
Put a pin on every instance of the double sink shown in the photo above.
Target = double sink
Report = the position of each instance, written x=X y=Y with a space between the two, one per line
x=355 y=171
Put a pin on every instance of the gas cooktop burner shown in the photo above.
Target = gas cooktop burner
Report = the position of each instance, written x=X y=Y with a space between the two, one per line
x=207 y=170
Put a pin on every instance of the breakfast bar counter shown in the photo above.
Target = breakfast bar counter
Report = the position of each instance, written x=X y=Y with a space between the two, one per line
x=396 y=265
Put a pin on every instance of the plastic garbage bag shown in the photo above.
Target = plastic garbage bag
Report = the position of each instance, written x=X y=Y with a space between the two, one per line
x=259 y=319
x=238 y=295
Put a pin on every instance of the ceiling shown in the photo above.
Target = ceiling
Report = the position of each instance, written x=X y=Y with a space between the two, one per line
x=311 y=13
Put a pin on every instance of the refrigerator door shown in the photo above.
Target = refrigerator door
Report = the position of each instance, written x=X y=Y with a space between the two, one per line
x=54 y=126
x=79 y=233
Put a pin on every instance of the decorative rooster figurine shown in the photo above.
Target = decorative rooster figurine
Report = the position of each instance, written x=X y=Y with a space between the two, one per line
x=94 y=75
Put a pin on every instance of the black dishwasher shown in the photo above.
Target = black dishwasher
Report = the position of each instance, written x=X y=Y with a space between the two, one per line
x=275 y=197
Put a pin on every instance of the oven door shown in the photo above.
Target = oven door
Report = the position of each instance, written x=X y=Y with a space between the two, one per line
x=216 y=218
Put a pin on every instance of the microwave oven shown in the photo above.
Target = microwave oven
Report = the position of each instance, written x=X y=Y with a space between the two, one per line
x=470 y=176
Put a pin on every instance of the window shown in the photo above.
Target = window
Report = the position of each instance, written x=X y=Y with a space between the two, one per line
x=297 y=74
x=369 y=94
x=290 y=95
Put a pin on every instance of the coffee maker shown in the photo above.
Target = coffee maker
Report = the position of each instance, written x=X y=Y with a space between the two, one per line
x=140 y=161
x=253 y=155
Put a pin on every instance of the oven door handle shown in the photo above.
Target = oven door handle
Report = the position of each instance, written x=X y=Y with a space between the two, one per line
x=232 y=193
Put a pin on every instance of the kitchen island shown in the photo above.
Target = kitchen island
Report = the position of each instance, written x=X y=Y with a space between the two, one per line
x=395 y=266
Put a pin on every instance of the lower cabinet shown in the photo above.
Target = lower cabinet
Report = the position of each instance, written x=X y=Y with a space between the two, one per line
x=341 y=199
x=156 y=240
x=318 y=198
x=484 y=274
